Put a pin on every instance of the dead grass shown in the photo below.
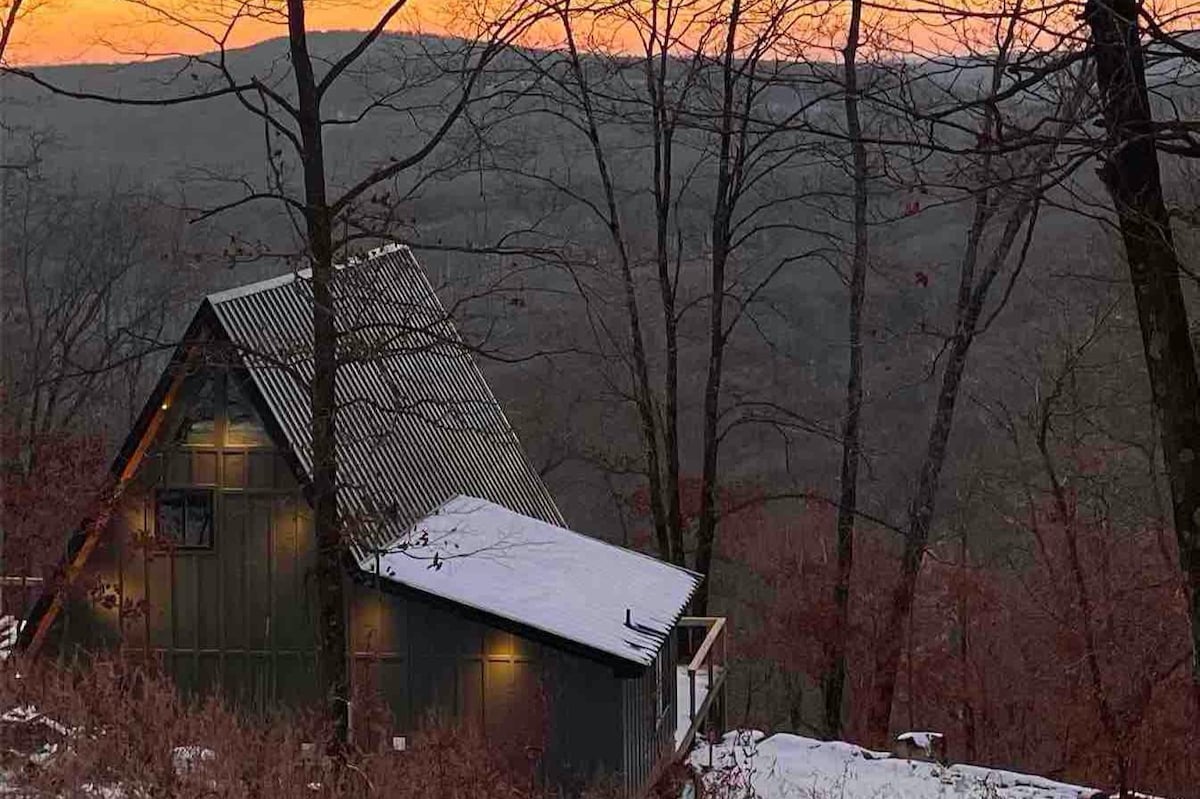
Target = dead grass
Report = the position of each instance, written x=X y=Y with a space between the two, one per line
x=130 y=734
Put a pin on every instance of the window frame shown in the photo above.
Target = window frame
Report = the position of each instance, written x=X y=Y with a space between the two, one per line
x=179 y=543
x=224 y=382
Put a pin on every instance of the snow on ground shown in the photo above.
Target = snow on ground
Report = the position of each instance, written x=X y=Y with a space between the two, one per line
x=747 y=764
x=921 y=740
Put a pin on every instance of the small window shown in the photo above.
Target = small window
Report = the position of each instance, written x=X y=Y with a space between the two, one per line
x=185 y=517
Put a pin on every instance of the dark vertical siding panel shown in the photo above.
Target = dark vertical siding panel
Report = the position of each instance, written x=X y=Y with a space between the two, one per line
x=287 y=616
x=209 y=672
x=646 y=734
x=133 y=572
x=258 y=588
x=393 y=688
x=475 y=679
x=261 y=470
x=631 y=732
x=184 y=586
x=208 y=606
x=306 y=548
x=142 y=558
x=232 y=555
x=158 y=589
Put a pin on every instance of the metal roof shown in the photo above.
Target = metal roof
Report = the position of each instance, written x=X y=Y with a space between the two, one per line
x=484 y=556
x=416 y=422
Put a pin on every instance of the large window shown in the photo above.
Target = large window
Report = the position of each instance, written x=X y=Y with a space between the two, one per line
x=218 y=403
x=185 y=517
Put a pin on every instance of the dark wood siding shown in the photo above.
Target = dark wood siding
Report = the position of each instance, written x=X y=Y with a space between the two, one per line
x=430 y=658
x=648 y=716
x=235 y=616
x=238 y=617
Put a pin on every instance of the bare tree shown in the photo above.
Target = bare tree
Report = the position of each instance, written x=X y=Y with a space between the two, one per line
x=719 y=176
x=89 y=282
x=1018 y=157
x=328 y=217
x=1131 y=175
x=834 y=680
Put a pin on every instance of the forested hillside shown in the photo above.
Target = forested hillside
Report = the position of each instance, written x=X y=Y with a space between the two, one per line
x=675 y=268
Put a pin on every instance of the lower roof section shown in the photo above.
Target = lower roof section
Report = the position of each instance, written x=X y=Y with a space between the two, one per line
x=575 y=587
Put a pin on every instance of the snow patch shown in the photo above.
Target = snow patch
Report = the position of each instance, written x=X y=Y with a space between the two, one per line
x=925 y=741
x=28 y=714
x=186 y=759
x=10 y=631
x=921 y=739
x=782 y=766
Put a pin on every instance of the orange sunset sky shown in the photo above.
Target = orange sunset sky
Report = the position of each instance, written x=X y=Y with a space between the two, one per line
x=74 y=31
x=105 y=31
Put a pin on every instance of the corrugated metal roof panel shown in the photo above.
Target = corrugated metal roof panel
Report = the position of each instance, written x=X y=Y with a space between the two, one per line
x=416 y=422
x=488 y=557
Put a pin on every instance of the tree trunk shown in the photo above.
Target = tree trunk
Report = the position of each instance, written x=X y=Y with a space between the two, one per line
x=920 y=512
x=664 y=142
x=835 y=675
x=707 y=523
x=967 y=708
x=1131 y=174
x=331 y=620
x=1067 y=516
x=639 y=368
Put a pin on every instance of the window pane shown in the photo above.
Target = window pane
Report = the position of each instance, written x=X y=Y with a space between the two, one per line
x=171 y=514
x=244 y=426
x=199 y=413
x=198 y=526
x=185 y=517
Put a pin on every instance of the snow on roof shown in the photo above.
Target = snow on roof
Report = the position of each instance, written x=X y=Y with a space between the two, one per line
x=484 y=556
x=786 y=766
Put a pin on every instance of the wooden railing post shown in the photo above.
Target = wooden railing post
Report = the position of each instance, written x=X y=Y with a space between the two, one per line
x=710 y=661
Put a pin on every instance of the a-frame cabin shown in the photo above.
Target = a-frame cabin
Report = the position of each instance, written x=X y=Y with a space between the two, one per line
x=467 y=595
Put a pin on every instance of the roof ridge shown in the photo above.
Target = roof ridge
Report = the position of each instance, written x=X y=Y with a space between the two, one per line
x=218 y=297
x=269 y=283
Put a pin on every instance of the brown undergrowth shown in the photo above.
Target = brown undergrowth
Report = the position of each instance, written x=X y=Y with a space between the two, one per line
x=114 y=729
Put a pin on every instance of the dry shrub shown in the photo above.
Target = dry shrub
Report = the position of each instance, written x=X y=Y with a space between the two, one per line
x=128 y=728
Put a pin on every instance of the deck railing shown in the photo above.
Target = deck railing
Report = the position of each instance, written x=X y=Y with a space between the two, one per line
x=708 y=662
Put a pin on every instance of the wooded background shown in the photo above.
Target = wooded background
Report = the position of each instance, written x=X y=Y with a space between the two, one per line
x=831 y=302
